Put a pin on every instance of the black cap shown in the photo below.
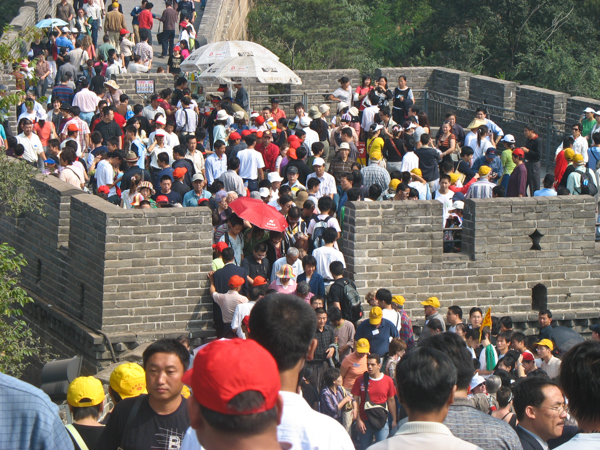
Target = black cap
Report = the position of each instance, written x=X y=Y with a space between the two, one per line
x=274 y=100
x=66 y=106
x=595 y=328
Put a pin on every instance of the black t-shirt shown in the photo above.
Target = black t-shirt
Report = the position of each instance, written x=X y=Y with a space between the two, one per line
x=176 y=96
x=303 y=170
x=97 y=84
x=534 y=146
x=149 y=430
x=428 y=163
x=336 y=295
x=180 y=188
x=173 y=197
x=389 y=151
x=108 y=130
x=89 y=434
x=174 y=63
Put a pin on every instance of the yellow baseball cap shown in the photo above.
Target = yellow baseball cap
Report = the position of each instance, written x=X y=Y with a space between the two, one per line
x=569 y=154
x=431 y=301
x=398 y=299
x=578 y=158
x=394 y=183
x=546 y=342
x=417 y=171
x=363 y=346
x=84 y=392
x=375 y=316
x=484 y=170
x=128 y=380
x=454 y=177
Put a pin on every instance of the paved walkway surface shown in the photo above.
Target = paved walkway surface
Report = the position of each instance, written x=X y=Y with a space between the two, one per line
x=159 y=7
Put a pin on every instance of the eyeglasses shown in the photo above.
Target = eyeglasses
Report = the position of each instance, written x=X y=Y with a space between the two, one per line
x=558 y=408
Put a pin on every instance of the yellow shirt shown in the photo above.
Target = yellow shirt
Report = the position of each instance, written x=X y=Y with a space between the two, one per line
x=375 y=146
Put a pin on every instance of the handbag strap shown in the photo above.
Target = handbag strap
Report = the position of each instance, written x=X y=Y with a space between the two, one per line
x=77 y=437
x=366 y=383
x=395 y=148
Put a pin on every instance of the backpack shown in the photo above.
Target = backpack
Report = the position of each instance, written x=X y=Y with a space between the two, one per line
x=185 y=9
x=317 y=235
x=588 y=185
x=352 y=300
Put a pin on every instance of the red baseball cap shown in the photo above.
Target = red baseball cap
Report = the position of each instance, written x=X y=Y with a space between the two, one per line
x=293 y=137
x=259 y=281
x=519 y=152
x=259 y=120
x=246 y=133
x=236 y=281
x=162 y=198
x=528 y=356
x=259 y=134
x=73 y=127
x=226 y=368
x=235 y=135
x=103 y=190
x=220 y=246
x=179 y=172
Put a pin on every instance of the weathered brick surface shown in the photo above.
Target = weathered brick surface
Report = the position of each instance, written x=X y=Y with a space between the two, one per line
x=398 y=245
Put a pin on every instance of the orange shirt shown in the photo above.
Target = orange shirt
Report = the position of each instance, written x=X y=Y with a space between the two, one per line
x=356 y=367
x=44 y=133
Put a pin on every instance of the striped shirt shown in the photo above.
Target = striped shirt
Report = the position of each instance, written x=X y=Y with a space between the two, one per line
x=481 y=189
x=63 y=93
x=84 y=130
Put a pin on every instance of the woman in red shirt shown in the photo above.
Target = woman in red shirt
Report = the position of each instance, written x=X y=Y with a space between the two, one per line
x=362 y=91
x=45 y=131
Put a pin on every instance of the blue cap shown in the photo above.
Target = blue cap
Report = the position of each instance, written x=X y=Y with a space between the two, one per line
x=50 y=161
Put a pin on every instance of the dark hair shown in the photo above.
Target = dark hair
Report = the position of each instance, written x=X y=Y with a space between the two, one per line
x=425 y=379
x=235 y=220
x=353 y=194
x=336 y=268
x=456 y=310
x=309 y=260
x=528 y=392
x=374 y=356
x=434 y=325
x=462 y=327
x=474 y=310
x=317 y=147
x=325 y=203
x=506 y=321
x=384 y=295
x=374 y=192
x=172 y=346
x=330 y=235
x=549 y=178
x=166 y=178
x=454 y=347
x=233 y=163
x=425 y=138
x=300 y=151
x=518 y=336
x=334 y=314
x=499 y=191
x=320 y=311
x=546 y=312
x=504 y=396
x=506 y=335
x=250 y=140
x=580 y=380
x=285 y=198
x=466 y=151
x=530 y=126
x=312 y=182
x=83 y=412
x=163 y=157
x=180 y=150
x=261 y=247
x=285 y=326
x=241 y=423
x=228 y=254
x=330 y=376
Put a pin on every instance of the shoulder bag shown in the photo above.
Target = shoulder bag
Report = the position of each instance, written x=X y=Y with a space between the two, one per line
x=377 y=413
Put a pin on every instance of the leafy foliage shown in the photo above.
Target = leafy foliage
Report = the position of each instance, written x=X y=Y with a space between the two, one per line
x=541 y=42
x=17 y=194
x=17 y=342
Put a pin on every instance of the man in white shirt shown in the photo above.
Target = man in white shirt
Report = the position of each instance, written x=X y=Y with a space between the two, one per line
x=292 y=258
x=186 y=118
x=384 y=297
x=149 y=112
x=105 y=175
x=368 y=117
x=328 y=186
x=444 y=195
x=580 y=144
x=31 y=142
x=251 y=164
x=157 y=147
x=550 y=364
x=87 y=102
x=327 y=254
x=136 y=66
x=311 y=135
x=426 y=380
x=299 y=109
x=286 y=328
x=244 y=309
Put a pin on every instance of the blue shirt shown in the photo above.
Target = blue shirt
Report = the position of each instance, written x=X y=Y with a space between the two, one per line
x=215 y=167
x=593 y=157
x=378 y=336
x=134 y=13
x=64 y=42
x=316 y=283
x=28 y=419
x=191 y=198
x=495 y=165
x=545 y=192
x=494 y=128
x=163 y=172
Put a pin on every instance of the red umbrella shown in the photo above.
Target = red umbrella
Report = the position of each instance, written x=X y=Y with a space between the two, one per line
x=259 y=213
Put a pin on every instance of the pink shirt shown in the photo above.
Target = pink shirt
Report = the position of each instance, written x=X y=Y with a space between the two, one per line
x=289 y=289
x=86 y=100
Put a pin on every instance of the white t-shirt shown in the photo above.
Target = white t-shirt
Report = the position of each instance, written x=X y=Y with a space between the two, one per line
x=105 y=175
x=410 y=161
x=250 y=162
x=64 y=143
x=158 y=150
x=277 y=265
x=446 y=201
x=331 y=223
x=369 y=117
x=242 y=310
x=327 y=185
x=325 y=256
x=311 y=137
x=394 y=317
x=344 y=95
x=33 y=146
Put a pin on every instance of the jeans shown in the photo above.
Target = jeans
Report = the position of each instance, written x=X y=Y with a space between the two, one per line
x=366 y=440
x=533 y=176
x=149 y=31
x=167 y=43
x=87 y=116
x=95 y=26
x=504 y=181
x=42 y=86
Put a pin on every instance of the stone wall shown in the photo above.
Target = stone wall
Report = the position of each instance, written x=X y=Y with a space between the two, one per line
x=398 y=245
x=542 y=102
x=224 y=21
x=576 y=105
x=493 y=92
x=133 y=274
x=126 y=82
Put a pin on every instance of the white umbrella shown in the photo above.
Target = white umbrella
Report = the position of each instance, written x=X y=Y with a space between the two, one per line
x=215 y=52
x=250 y=69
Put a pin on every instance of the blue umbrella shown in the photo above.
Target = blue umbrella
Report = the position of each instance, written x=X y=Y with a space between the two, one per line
x=49 y=23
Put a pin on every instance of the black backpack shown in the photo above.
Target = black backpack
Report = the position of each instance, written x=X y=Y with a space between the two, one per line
x=185 y=9
x=588 y=184
x=317 y=234
x=351 y=300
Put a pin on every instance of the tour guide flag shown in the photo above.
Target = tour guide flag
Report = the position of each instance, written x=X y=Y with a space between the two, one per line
x=487 y=321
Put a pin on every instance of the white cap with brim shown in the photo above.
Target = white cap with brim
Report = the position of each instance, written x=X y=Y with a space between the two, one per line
x=509 y=138
x=318 y=162
x=197 y=177
x=588 y=109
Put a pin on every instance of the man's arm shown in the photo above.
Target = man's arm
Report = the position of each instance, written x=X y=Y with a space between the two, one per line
x=360 y=425
x=261 y=175
x=212 y=289
x=391 y=401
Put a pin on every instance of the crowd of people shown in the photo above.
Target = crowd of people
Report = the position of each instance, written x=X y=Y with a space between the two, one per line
x=297 y=363
x=300 y=377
